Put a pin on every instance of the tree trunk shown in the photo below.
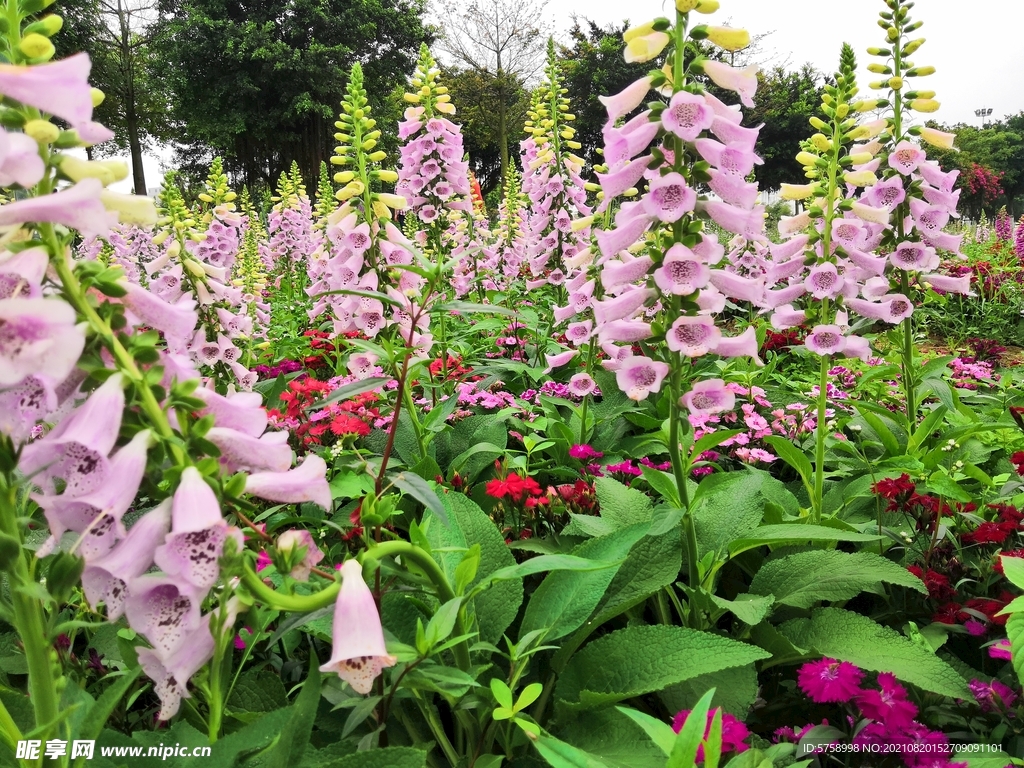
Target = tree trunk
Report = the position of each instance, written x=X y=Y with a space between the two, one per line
x=135 y=146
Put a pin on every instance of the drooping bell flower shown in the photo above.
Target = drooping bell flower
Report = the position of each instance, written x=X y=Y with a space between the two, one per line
x=59 y=88
x=687 y=115
x=106 y=579
x=170 y=673
x=914 y=257
x=288 y=545
x=890 y=309
x=24 y=405
x=681 y=273
x=241 y=451
x=97 y=515
x=628 y=99
x=21 y=163
x=906 y=157
x=639 y=376
x=743 y=82
x=76 y=450
x=743 y=345
x=164 y=609
x=947 y=284
x=709 y=396
x=78 y=207
x=826 y=340
x=198 y=531
x=307 y=482
x=177 y=321
x=21 y=274
x=693 y=336
x=358 y=653
x=39 y=337
x=668 y=198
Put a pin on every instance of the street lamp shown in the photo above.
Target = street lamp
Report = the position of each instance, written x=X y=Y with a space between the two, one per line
x=983 y=113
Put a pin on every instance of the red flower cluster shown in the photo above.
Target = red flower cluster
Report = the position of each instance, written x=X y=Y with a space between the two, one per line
x=998 y=531
x=973 y=609
x=301 y=394
x=516 y=487
x=1017 y=460
x=454 y=365
x=938 y=584
x=323 y=349
x=775 y=340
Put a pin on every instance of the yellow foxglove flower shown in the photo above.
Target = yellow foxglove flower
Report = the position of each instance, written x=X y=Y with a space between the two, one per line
x=921 y=71
x=706 y=6
x=685 y=6
x=388 y=177
x=924 y=105
x=396 y=202
x=797 y=191
x=938 y=138
x=445 y=107
x=729 y=39
x=43 y=131
x=859 y=158
x=641 y=49
x=870 y=213
x=107 y=171
x=130 y=209
x=36 y=46
x=580 y=224
x=860 y=178
x=806 y=158
x=869 y=130
x=638 y=31
x=821 y=142
x=895 y=83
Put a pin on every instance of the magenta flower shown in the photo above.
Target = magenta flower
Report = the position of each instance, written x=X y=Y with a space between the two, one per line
x=734 y=732
x=906 y=157
x=681 y=274
x=171 y=672
x=828 y=680
x=889 y=704
x=60 y=88
x=785 y=317
x=621 y=306
x=826 y=340
x=1000 y=650
x=993 y=696
x=164 y=609
x=37 y=336
x=584 y=453
x=582 y=384
x=78 y=207
x=638 y=376
x=290 y=543
x=709 y=396
x=358 y=653
x=106 y=579
x=686 y=115
x=307 y=482
x=626 y=232
x=618 y=181
x=76 y=450
x=693 y=336
x=668 y=198
x=198 y=531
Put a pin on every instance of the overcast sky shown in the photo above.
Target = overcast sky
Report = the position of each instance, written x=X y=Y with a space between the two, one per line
x=976 y=47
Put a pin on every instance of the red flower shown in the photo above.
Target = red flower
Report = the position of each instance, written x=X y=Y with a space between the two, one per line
x=1018 y=462
x=514 y=486
x=894 y=488
x=947 y=614
x=347 y=424
x=986 y=533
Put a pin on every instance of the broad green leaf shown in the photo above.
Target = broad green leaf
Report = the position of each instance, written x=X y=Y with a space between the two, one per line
x=497 y=606
x=728 y=506
x=620 y=505
x=793 y=456
x=663 y=483
x=944 y=485
x=862 y=641
x=615 y=740
x=97 y=716
x=382 y=757
x=735 y=690
x=258 y=691
x=558 y=754
x=565 y=599
x=803 y=579
x=346 y=391
x=1015 y=633
x=795 y=533
x=295 y=738
x=1013 y=569
x=637 y=660
x=545 y=563
x=661 y=733
x=750 y=609
x=412 y=484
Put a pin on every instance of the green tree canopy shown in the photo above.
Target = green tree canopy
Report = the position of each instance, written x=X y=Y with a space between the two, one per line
x=259 y=81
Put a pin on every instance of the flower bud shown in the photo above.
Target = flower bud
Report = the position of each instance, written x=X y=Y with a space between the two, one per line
x=920 y=71
x=912 y=46
x=107 y=171
x=205 y=197
x=646 y=47
x=938 y=138
x=806 y=158
x=859 y=158
x=729 y=39
x=860 y=178
x=924 y=105
x=817 y=122
x=879 y=69
x=879 y=51
x=396 y=202
x=36 y=46
x=376 y=157
x=796 y=191
x=895 y=83
x=388 y=177
x=43 y=131
x=821 y=142
x=194 y=268
x=685 y=6
x=706 y=6
x=47 y=26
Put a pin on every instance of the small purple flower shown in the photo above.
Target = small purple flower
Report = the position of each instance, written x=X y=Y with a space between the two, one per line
x=993 y=696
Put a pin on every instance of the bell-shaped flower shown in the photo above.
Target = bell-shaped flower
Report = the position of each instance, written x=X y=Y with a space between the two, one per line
x=192 y=551
x=307 y=482
x=709 y=396
x=645 y=47
x=782 y=296
x=164 y=609
x=21 y=273
x=615 y=183
x=106 y=579
x=914 y=257
x=618 y=239
x=857 y=346
x=24 y=405
x=582 y=384
x=741 y=81
x=59 y=88
x=947 y=284
x=558 y=360
x=616 y=273
x=630 y=331
x=945 y=241
x=681 y=273
x=693 y=336
x=889 y=309
x=723 y=111
x=728 y=38
x=937 y=138
x=294 y=542
x=728 y=158
x=76 y=450
x=733 y=189
x=241 y=451
x=735 y=135
x=743 y=345
x=669 y=197
x=638 y=376
x=874 y=265
x=786 y=317
x=630 y=140
x=708 y=250
x=38 y=336
x=20 y=162
x=241 y=411
x=176 y=321
x=738 y=287
x=824 y=281
x=749 y=223
x=686 y=115
x=78 y=207
x=358 y=653
x=622 y=306
x=942 y=199
x=826 y=340
x=171 y=672
x=906 y=157
x=933 y=174
x=887 y=193
x=626 y=100
x=97 y=515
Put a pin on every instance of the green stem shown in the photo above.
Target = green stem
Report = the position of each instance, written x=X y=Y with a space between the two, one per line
x=908 y=359
x=819 y=442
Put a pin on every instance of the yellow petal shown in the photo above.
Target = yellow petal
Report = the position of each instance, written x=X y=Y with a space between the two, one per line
x=938 y=138
x=729 y=39
x=796 y=191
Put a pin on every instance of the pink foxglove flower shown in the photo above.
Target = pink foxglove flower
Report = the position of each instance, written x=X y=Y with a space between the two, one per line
x=288 y=544
x=60 y=88
x=358 y=653
x=743 y=345
x=106 y=579
x=37 y=336
x=669 y=197
x=97 y=515
x=617 y=273
x=887 y=193
x=890 y=309
x=164 y=609
x=24 y=405
x=638 y=376
x=686 y=115
x=730 y=159
x=906 y=157
x=914 y=257
x=626 y=100
x=307 y=482
x=171 y=672
x=76 y=450
x=824 y=281
x=22 y=273
x=192 y=551
x=709 y=396
x=826 y=340
x=621 y=306
x=21 y=163
x=693 y=336
x=626 y=331
x=241 y=411
x=741 y=81
x=582 y=384
x=786 y=317
x=177 y=321
x=947 y=284
x=78 y=207
x=928 y=219
x=681 y=273
x=241 y=451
